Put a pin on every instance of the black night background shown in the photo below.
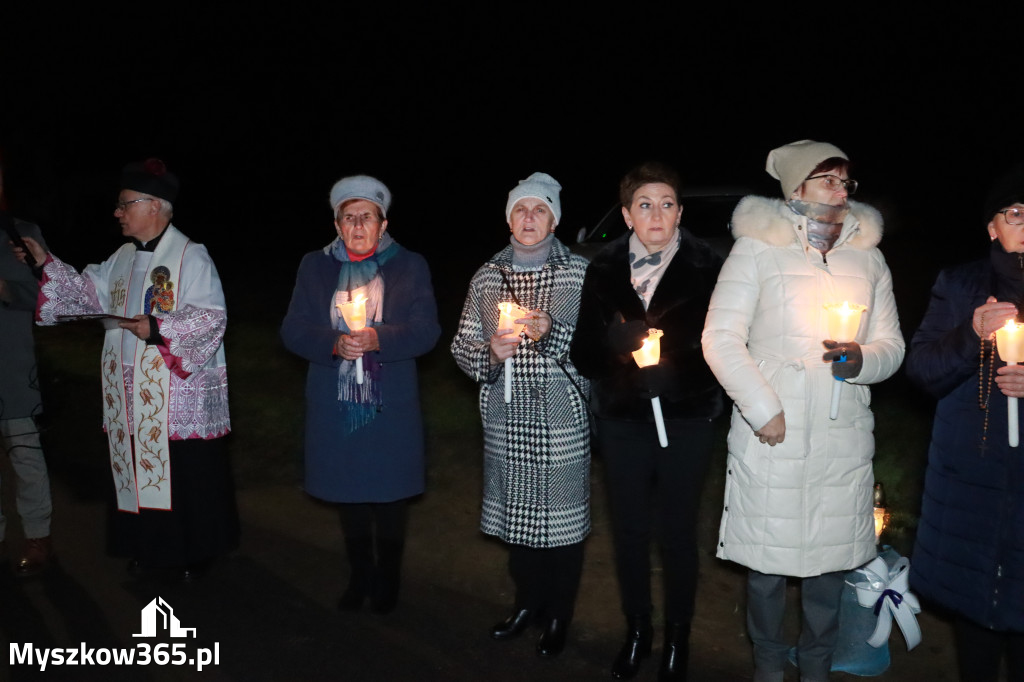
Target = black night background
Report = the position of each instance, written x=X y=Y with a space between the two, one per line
x=259 y=112
x=260 y=108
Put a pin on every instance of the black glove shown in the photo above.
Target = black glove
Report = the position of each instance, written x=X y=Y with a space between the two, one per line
x=854 y=358
x=626 y=337
x=654 y=381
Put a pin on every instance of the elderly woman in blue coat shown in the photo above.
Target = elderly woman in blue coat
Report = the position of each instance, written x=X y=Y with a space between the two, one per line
x=969 y=551
x=364 y=431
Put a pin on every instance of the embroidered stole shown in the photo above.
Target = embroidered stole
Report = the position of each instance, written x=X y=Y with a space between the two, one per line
x=142 y=479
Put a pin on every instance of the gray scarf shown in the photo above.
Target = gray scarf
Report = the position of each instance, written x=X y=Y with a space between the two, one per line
x=824 y=222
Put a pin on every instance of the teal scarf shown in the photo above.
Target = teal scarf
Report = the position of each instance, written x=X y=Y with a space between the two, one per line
x=360 y=402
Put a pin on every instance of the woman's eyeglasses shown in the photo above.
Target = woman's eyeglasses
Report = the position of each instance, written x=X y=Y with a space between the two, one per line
x=835 y=183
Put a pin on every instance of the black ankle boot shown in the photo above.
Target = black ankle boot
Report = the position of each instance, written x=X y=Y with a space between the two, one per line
x=552 y=640
x=676 y=652
x=512 y=626
x=639 y=634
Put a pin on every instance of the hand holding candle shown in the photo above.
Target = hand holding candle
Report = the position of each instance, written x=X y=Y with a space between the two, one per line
x=354 y=313
x=843 y=324
x=647 y=355
x=508 y=314
x=1010 y=343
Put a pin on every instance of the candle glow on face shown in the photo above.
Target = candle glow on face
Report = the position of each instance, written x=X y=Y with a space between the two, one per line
x=1010 y=341
x=843 y=320
x=354 y=313
x=650 y=352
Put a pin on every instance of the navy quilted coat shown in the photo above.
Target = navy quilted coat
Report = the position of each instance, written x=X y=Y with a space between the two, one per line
x=969 y=554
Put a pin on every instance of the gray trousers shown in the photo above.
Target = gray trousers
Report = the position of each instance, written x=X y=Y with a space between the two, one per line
x=32 y=483
x=766 y=606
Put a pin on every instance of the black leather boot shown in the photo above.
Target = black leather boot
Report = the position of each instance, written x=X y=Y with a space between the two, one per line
x=676 y=653
x=552 y=640
x=360 y=558
x=513 y=626
x=639 y=634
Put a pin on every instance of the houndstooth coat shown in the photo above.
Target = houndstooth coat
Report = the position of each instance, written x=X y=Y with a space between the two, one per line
x=536 y=448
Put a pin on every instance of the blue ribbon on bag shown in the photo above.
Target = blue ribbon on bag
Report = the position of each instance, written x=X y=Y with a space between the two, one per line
x=896 y=597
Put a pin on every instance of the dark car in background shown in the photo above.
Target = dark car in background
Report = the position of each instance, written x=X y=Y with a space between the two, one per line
x=706 y=213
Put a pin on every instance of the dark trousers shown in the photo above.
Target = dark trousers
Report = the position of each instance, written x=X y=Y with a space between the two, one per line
x=655 y=490
x=547 y=579
x=980 y=652
x=819 y=602
x=374 y=537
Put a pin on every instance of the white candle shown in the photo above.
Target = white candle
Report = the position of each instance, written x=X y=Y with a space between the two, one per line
x=843 y=323
x=509 y=313
x=659 y=422
x=1010 y=343
x=647 y=355
x=354 y=313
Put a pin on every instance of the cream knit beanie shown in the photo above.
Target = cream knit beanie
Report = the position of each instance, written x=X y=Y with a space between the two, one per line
x=791 y=164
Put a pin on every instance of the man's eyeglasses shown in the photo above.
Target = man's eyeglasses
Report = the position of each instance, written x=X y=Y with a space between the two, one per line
x=123 y=205
x=835 y=183
x=1014 y=216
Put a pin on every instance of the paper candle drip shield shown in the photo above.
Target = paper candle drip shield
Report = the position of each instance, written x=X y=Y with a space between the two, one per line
x=650 y=352
x=648 y=355
x=844 y=320
x=843 y=323
x=508 y=314
x=354 y=313
x=1010 y=343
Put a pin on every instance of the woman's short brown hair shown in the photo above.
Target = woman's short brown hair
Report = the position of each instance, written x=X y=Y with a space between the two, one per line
x=834 y=163
x=647 y=173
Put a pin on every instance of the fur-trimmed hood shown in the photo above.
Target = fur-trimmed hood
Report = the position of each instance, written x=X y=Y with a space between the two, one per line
x=772 y=221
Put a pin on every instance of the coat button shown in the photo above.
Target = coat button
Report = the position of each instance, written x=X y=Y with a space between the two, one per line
x=721 y=544
x=535 y=392
x=726 y=507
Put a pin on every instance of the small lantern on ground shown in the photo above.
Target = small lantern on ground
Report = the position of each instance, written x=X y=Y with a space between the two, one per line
x=880 y=513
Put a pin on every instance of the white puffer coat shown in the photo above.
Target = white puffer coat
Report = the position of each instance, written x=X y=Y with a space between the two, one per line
x=802 y=507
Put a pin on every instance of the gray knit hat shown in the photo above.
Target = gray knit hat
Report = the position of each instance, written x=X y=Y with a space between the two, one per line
x=361 y=187
x=538 y=186
x=791 y=164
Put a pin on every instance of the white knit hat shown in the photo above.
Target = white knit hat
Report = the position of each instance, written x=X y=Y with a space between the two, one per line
x=361 y=187
x=538 y=186
x=791 y=164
